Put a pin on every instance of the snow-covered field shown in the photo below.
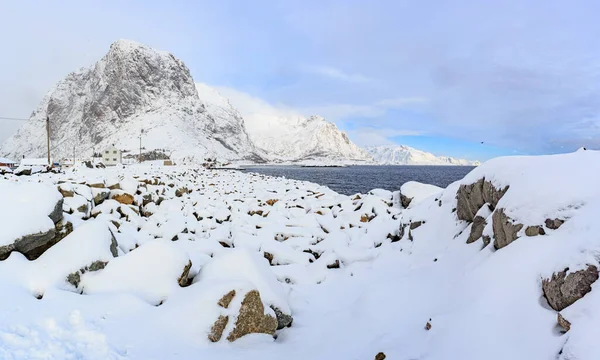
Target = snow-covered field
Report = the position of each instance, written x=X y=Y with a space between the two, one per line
x=152 y=262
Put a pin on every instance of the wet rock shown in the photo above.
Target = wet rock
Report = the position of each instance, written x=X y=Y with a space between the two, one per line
x=283 y=320
x=554 y=224
x=562 y=290
x=380 y=356
x=252 y=318
x=505 y=231
x=534 y=230
x=477 y=227
x=470 y=198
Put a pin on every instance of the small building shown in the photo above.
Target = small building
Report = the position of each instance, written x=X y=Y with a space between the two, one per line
x=4 y=162
x=31 y=162
x=112 y=156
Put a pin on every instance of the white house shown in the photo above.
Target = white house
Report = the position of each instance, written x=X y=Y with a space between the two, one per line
x=112 y=156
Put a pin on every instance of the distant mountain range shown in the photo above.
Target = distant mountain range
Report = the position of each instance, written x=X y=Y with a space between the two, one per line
x=405 y=155
x=137 y=92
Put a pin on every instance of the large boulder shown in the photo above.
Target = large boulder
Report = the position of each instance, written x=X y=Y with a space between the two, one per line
x=477 y=227
x=471 y=197
x=248 y=266
x=249 y=319
x=563 y=289
x=505 y=230
x=33 y=210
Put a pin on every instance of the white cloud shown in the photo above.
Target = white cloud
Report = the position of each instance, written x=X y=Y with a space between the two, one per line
x=338 y=74
x=260 y=114
x=366 y=136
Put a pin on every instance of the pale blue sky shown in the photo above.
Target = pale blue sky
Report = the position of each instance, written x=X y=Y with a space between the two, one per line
x=520 y=76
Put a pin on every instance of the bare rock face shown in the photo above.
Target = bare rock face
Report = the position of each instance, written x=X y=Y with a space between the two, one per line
x=535 y=230
x=283 y=320
x=405 y=201
x=477 y=227
x=252 y=318
x=505 y=231
x=34 y=245
x=216 y=332
x=470 y=198
x=563 y=290
x=554 y=224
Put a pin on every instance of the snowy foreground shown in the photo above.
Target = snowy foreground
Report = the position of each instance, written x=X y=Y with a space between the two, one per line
x=179 y=263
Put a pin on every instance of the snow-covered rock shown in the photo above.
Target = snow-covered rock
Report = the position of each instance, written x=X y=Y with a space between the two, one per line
x=405 y=155
x=132 y=89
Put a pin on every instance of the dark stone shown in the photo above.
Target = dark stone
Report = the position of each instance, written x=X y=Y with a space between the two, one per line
x=405 y=201
x=554 y=224
x=283 y=320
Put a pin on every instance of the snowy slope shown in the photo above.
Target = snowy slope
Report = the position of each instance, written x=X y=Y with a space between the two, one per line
x=287 y=137
x=405 y=155
x=133 y=88
x=359 y=275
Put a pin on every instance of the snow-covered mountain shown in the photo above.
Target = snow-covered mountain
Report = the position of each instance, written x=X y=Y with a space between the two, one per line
x=287 y=137
x=405 y=155
x=132 y=89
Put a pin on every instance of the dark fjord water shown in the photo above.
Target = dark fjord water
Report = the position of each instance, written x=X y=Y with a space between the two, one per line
x=360 y=179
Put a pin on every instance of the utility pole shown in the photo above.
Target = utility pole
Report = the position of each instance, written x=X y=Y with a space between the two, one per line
x=140 y=159
x=48 y=137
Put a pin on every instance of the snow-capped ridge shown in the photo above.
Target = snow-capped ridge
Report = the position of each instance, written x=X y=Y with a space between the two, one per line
x=132 y=89
x=406 y=155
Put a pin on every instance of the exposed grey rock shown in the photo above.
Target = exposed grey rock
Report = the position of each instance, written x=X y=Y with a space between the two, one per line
x=75 y=277
x=505 y=231
x=101 y=195
x=535 y=230
x=405 y=201
x=416 y=224
x=562 y=290
x=57 y=213
x=22 y=172
x=477 y=227
x=283 y=320
x=554 y=224
x=470 y=198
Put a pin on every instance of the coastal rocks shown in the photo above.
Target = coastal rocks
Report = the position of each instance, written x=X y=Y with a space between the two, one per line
x=470 y=198
x=477 y=227
x=535 y=230
x=505 y=230
x=562 y=290
x=123 y=198
x=554 y=224
x=283 y=320
x=252 y=319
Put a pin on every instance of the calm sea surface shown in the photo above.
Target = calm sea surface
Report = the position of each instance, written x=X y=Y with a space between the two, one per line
x=360 y=179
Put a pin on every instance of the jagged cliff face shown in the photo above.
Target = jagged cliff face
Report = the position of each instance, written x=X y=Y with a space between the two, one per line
x=132 y=89
x=311 y=138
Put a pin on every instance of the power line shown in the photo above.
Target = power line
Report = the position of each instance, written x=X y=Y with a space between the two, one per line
x=13 y=119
